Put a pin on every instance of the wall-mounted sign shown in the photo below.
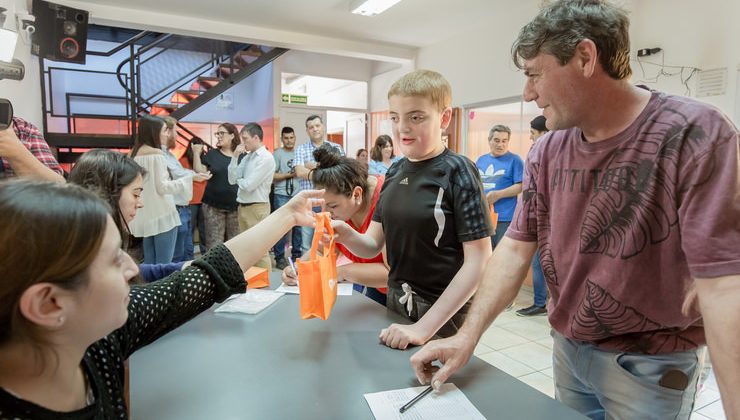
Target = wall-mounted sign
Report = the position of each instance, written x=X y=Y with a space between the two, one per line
x=294 y=99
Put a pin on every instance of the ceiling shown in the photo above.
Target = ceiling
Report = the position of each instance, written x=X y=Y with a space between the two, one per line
x=410 y=23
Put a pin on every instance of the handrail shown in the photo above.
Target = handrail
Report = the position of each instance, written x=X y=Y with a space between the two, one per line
x=125 y=44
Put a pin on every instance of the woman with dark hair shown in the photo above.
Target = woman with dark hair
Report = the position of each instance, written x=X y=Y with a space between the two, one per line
x=382 y=156
x=350 y=195
x=68 y=316
x=118 y=180
x=157 y=222
x=362 y=156
x=219 y=199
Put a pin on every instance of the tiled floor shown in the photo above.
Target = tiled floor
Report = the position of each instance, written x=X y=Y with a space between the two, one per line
x=522 y=347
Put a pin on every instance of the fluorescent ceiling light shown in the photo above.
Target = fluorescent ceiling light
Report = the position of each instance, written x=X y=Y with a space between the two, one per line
x=7 y=44
x=371 y=7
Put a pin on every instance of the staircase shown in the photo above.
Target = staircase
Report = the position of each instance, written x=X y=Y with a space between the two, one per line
x=85 y=118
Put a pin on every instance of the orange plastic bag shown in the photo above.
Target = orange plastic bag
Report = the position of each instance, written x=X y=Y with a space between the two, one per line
x=257 y=278
x=494 y=217
x=317 y=277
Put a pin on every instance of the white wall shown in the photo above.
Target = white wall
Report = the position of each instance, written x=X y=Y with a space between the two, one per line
x=701 y=34
x=24 y=94
x=252 y=101
x=477 y=63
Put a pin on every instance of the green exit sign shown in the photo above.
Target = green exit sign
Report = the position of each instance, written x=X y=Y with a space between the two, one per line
x=294 y=99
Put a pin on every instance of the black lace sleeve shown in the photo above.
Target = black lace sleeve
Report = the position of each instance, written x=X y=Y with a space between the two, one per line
x=159 y=307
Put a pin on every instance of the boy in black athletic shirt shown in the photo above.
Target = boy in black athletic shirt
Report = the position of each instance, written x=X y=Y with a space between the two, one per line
x=432 y=217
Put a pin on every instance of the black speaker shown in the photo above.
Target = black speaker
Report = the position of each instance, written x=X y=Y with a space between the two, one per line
x=61 y=32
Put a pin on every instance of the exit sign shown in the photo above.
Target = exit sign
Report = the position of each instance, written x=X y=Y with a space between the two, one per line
x=294 y=99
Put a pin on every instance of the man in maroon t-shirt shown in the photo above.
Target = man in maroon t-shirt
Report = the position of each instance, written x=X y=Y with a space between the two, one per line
x=634 y=202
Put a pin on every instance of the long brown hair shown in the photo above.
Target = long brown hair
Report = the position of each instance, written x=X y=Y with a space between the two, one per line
x=55 y=234
x=376 y=153
x=148 y=133
x=107 y=173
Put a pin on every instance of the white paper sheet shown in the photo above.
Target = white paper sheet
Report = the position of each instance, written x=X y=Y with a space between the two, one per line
x=252 y=302
x=344 y=289
x=448 y=403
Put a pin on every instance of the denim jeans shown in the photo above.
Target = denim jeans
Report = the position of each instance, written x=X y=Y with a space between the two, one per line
x=160 y=248
x=296 y=236
x=198 y=222
x=501 y=228
x=184 y=240
x=538 y=281
x=604 y=384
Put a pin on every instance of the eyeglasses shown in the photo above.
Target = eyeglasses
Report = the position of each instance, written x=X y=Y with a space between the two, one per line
x=221 y=133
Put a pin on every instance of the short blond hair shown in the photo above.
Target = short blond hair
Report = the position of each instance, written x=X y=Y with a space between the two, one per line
x=424 y=83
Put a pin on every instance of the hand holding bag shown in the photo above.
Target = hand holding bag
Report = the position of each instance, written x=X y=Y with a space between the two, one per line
x=317 y=277
x=494 y=217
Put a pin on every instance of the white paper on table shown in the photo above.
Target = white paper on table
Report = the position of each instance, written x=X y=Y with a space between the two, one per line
x=448 y=403
x=343 y=289
x=252 y=302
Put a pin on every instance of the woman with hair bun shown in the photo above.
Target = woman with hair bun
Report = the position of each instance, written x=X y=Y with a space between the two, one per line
x=350 y=195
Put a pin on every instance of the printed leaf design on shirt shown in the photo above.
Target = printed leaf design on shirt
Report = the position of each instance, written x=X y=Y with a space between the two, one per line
x=535 y=216
x=635 y=204
x=600 y=316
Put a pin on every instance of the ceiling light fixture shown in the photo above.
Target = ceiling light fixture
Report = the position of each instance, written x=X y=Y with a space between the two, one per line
x=371 y=7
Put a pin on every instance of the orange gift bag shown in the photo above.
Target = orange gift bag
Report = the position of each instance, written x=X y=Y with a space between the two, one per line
x=494 y=217
x=257 y=278
x=317 y=277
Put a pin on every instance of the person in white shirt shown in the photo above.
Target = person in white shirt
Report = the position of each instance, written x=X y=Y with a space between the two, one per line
x=157 y=222
x=253 y=176
x=182 y=200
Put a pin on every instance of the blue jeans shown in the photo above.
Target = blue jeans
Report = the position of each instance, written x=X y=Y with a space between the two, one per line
x=160 y=248
x=184 y=239
x=197 y=221
x=538 y=281
x=604 y=384
x=499 y=234
x=296 y=235
x=371 y=292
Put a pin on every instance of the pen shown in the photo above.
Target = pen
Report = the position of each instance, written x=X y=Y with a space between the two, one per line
x=292 y=266
x=416 y=399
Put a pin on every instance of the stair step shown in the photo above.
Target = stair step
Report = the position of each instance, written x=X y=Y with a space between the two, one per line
x=249 y=55
x=184 y=96
x=163 y=109
x=225 y=70
x=204 y=83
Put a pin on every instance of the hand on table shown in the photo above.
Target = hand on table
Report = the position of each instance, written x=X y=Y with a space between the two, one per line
x=453 y=352
x=398 y=336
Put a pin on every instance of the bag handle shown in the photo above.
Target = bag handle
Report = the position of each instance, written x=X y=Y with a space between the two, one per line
x=323 y=224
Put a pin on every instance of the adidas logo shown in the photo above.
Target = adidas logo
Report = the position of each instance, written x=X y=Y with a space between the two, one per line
x=404 y=181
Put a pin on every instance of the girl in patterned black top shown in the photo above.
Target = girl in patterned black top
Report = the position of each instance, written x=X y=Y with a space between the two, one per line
x=68 y=319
